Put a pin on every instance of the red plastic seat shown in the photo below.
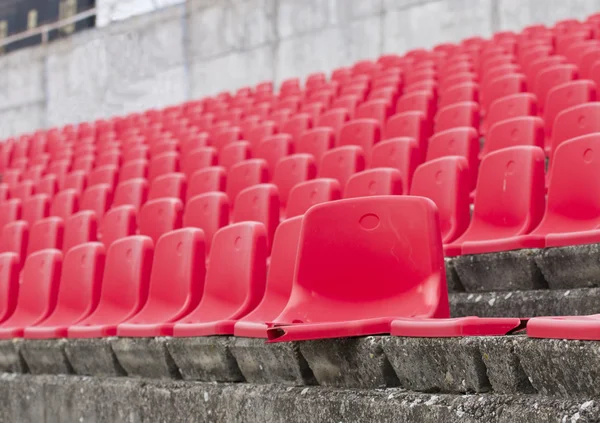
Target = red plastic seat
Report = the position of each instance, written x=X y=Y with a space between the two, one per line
x=172 y=185
x=364 y=133
x=14 y=238
x=22 y=190
x=83 y=162
x=378 y=110
x=137 y=152
x=501 y=87
x=583 y=328
x=131 y=192
x=80 y=228
x=157 y=217
x=292 y=170
x=109 y=158
x=410 y=124
x=358 y=240
x=246 y=174
x=107 y=174
x=456 y=327
x=527 y=130
x=235 y=281
x=97 y=198
x=5 y=192
x=550 y=78
x=176 y=284
x=78 y=291
x=533 y=69
x=65 y=203
x=37 y=293
x=335 y=118
x=306 y=194
x=11 y=177
x=124 y=288
x=457 y=142
x=76 y=180
x=564 y=96
x=34 y=173
x=119 y=222
x=574 y=122
x=573 y=205
x=35 y=208
x=46 y=233
x=379 y=181
x=262 y=130
x=465 y=92
x=274 y=148
x=297 y=125
x=209 y=212
x=316 y=141
x=47 y=185
x=509 y=203
x=259 y=203
x=457 y=115
x=450 y=192
x=279 y=281
x=133 y=169
x=399 y=153
x=162 y=164
x=348 y=103
x=516 y=105
x=226 y=136
x=456 y=77
x=207 y=180
x=199 y=158
x=9 y=284
x=419 y=101
x=587 y=62
x=341 y=163
x=234 y=153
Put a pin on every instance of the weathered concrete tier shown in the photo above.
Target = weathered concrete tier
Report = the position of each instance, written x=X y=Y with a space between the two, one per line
x=502 y=365
x=548 y=302
x=74 y=399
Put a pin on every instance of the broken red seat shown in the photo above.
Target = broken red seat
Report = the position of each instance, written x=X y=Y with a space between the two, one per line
x=584 y=328
x=235 y=281
x=78 y=291
x=124 y=288
x=457 y=327
x=367 y=245
x=446 y=181
x=157 y=217
x=37 y=293
x=509 y=203
x=279 y=281
x=176 y=284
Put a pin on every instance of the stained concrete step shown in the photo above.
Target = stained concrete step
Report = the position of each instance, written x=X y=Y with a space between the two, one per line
x=75 y=399
x=511 y=364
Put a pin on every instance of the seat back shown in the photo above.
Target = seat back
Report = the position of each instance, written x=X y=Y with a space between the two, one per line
x=162 y=164
x=460 y=93
x=199 y=158
x=207 y=180
x=378 y=110
x=317 y=141
x=65 y=203
x=292 y=170
x=550 y=78
x=306 y=194
x=574 y=122
x=297 y=125
x=134 y=169
x=525 y=130
x=14 y=238
x=274 y=148
x=46 y=233
x=259 y=203
x=80 y=228
x=157 y=217
x=246 y=174
x=511 y=106
x=169 y=185
x=341 y=163
x=399 y=153
x=209 y=212
x=9 y=284
x=364 y=133
x=379 y=181
x=97 y=198
x=107 y=174
x=132 y=192
x=465 y=114
x=35 y=208
x=409 y=124
x=119 y=222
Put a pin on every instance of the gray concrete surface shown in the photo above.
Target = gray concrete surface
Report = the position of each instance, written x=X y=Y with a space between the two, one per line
x=280 y=362
x=502 y=271
x=549 y=302
x=576 y=266
x=205 y=46
x=145 y=357
x=11 y=360
x=75 y=399
x=93 y=357
x=207 y=359
x=46 y=356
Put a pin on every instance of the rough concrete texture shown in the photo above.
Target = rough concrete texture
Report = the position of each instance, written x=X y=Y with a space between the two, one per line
x=200 y=47
x=11 y=360
x=280 y=362
x=75 y=399
x=573 y=302
x=503 y=366
x=349 y=362
x=145 y=357
x=452 y=281
x=450 y=365
x=46 y=356
x=571 y=267
x=93 y=357
x=503 y=271
x=561 y=367
x=206 y=358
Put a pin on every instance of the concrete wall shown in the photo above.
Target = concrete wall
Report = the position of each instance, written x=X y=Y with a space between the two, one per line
x=201 y=47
